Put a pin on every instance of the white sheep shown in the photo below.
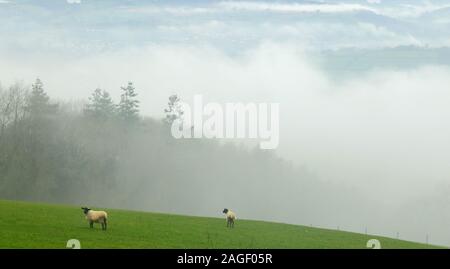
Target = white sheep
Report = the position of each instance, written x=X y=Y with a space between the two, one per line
x=95 y=216
x=230 y=216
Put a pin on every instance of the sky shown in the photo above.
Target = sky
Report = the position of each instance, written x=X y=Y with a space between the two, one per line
x=383 y=131
x=91 y=26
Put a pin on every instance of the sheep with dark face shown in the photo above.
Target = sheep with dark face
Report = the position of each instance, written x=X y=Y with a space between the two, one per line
x=95 y=216
x=230 y=216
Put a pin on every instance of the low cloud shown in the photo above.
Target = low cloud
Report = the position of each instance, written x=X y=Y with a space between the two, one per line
x=384 y=134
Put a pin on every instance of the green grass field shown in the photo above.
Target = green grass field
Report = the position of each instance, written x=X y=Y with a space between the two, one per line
x=33 y=225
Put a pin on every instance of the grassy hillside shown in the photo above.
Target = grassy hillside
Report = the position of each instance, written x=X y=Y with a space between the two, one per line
x=31 y=225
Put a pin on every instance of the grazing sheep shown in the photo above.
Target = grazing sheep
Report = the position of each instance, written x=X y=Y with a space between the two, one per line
x=231 y=217
x=95 y=216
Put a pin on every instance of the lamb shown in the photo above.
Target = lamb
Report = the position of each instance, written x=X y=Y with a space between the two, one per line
x=231 y=217
x=95 y=216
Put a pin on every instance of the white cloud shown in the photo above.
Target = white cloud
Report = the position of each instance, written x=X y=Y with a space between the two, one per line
x=73 y=1
x=376 y=6
x=409 y=11
x=173 y=10
x=250 y=6
x=293 y=7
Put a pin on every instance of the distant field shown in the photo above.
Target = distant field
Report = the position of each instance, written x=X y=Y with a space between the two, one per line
x=32 y=225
